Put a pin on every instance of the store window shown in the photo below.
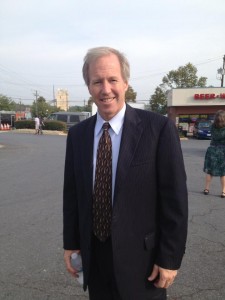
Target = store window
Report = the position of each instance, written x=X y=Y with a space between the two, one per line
x=187 y=122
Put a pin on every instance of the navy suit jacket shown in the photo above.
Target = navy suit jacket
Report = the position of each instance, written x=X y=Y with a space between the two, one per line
x=150 y=210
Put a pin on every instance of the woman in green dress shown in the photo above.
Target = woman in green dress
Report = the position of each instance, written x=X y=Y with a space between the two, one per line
x=214 y=164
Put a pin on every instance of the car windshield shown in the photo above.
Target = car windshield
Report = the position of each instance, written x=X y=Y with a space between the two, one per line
x=204 y=125
x=52 y=117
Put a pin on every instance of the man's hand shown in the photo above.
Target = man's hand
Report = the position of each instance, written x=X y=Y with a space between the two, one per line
x=67 y=259
x=163 y=277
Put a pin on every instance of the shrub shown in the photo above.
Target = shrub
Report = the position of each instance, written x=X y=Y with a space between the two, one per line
x=54 y=125
x=49 y=125
x=27 y=124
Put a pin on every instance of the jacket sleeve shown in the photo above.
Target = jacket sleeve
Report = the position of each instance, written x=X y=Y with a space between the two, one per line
x=71 y=237
x=173 y=199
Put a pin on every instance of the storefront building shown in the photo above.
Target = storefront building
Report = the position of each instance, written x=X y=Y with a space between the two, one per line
x=187 y=105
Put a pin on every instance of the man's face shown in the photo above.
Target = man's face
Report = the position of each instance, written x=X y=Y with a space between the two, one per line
x=107 y=87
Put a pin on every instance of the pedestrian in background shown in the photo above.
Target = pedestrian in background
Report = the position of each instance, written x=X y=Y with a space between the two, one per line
x=125 y=194
x=214 y=164
x=41 y=125
x=37 y=124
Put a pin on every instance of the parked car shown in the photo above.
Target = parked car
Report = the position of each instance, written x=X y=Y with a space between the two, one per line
x=70 y=118
x=202 y=129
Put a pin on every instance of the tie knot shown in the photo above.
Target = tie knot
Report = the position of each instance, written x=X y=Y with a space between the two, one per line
x=106 y=126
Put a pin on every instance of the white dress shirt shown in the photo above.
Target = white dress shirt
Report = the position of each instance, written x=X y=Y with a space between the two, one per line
x=115 y=131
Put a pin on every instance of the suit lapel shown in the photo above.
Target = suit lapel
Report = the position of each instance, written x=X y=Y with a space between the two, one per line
x=88 y=154
x=132 y=131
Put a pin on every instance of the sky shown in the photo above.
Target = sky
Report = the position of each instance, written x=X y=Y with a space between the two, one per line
x=43 y=43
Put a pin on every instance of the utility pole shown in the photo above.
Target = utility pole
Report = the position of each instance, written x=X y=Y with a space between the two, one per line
x=223 y=71
x=36 y=109
x=54 y=100
x=20 y=108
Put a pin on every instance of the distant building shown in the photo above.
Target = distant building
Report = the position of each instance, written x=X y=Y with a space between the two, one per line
x=62 y=99
x=187 y=105
x=7 y=117
x=23 y=115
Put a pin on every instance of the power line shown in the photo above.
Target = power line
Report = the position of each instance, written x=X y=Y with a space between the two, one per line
x=29 y=83
x=19 y=80
x=164 y=72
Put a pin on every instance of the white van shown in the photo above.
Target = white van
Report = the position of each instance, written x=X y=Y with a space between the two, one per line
x=70 y=118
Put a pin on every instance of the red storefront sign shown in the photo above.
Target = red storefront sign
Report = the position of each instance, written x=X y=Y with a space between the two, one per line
x=209 y=96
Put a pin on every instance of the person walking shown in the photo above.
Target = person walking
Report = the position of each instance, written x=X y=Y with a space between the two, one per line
x=214 y=163
x=125 y=206
x=37 y=124
x=41 y=126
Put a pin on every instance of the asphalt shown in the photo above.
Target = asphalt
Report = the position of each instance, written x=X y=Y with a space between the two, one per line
x=48 y=132
x=31 y=255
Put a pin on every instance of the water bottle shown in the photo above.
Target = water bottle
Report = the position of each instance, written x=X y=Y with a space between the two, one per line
x=76 y=263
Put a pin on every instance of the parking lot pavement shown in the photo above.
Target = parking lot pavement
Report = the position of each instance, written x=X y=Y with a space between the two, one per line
x=31 y=183
x=32 y=131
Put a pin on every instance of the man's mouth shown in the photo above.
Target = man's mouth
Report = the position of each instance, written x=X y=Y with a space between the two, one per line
x=107 y=100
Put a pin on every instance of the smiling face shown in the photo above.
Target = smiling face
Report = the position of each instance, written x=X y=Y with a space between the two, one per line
x=107 y=86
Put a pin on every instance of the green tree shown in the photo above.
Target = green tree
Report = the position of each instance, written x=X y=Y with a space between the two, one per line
x=184 y=77
x=41 y=108
x=75 y=108
x=158 y=101
x=78 y=108
x=90 y=101
x=21 y=107
x=130 y=95
x=6 y=103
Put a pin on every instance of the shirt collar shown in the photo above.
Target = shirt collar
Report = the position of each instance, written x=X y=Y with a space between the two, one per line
x=115 y=123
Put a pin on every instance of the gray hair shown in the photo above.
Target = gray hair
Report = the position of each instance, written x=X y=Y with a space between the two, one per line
x=98 y=52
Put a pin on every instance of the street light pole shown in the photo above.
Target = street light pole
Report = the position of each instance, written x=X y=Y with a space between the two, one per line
x=223 y=71
x=36 y=109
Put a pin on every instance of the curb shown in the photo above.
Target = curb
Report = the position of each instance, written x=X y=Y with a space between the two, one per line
x=184 y=139
x=32 y=131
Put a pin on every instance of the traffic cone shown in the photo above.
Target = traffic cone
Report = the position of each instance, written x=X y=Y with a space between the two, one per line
x=7 y=126
x=2 y=128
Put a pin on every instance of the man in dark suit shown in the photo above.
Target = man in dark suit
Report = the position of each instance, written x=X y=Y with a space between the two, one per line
x=145 y=244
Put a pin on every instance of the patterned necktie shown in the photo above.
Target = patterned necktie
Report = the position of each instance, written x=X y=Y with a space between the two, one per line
x=102 y=197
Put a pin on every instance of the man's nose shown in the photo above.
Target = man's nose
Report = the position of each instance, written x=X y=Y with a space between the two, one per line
x=106 y=87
